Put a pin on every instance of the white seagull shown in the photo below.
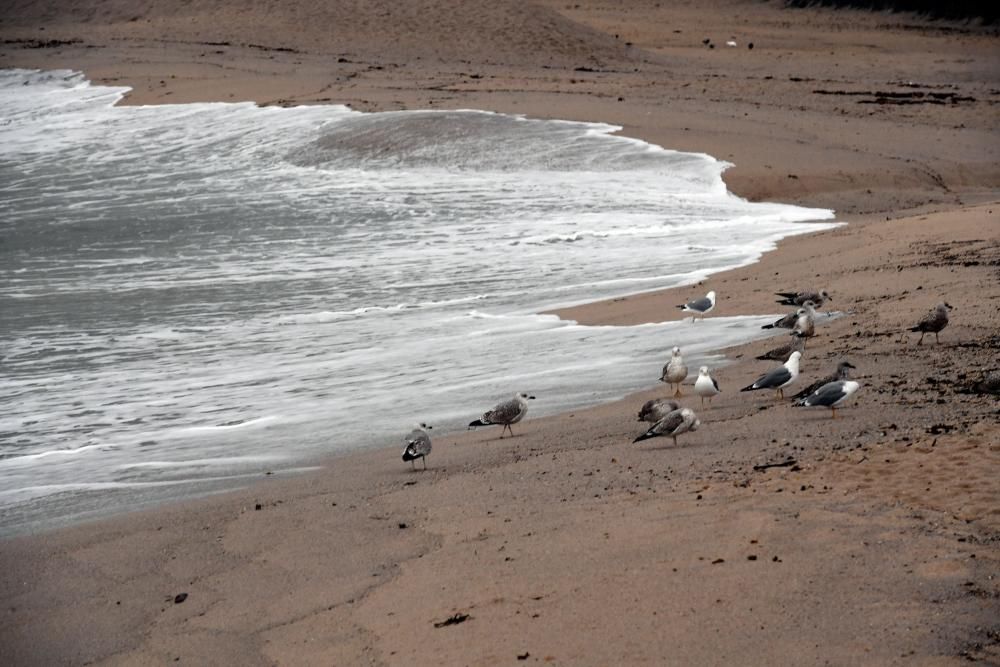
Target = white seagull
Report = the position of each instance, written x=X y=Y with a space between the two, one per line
x=701 y=306
x=418 y=445
x=831 y=395
x=508 y=412
x=778 y=378
x=706 y=386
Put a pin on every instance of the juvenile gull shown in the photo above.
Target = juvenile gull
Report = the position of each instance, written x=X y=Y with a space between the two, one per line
x=988 y=384
x=418 y=445
x=799 y=298
x=675 y=371
x=508 y=412
x=656 y=409
x=843 y=372
x=805 y=325
x=778 y=378
x=675 y=423
x=701 y=306
x=706 y=386
x=781 y=353
x=933 y=322
x=831 y=395
x=789 y=320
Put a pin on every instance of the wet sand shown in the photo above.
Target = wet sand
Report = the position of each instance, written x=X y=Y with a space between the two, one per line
x=870 y=539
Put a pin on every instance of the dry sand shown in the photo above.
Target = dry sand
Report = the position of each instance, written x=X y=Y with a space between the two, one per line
x=567 y=544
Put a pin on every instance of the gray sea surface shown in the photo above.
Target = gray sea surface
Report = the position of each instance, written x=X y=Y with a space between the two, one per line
x=194 y=295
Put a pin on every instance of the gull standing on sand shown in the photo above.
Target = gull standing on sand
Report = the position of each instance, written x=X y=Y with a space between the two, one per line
x=706 y=386
x=778 y=378
x=805 y=325
x=675 y=371
x=675 y=423
x=933 y=322
x=800 y=298
x=781 y=353
x=843 y=372
x=656 y=409
x=831 y=395
x=508 y=412
x=702 y=306
x=418 y=445
x=789 y=320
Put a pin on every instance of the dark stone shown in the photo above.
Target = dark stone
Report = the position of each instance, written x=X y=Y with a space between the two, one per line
x=180 y=597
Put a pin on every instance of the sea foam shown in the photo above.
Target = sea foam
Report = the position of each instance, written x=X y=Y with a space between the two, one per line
x=225 y=282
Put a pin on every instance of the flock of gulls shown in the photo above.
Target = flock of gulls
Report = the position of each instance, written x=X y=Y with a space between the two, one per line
x=670 y=419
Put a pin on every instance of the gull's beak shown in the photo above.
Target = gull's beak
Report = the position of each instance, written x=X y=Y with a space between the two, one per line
x=532 y=397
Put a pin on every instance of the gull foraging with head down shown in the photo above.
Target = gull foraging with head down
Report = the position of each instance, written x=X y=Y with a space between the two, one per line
x=418 y=445
x=506 y=413
x=701 y=306
x=672 y=425
x=778 y=378
x=656 y=409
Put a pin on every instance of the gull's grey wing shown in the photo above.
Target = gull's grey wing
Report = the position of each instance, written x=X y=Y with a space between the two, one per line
x=701 y=305
x=826 y=395
x=774 y=378
x=816 y=385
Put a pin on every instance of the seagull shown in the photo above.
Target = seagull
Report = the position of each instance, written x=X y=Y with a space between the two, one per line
x=675 y=371
x=989 y=384
x=508 y=412
x=789 y=320
x=781 y=353
x=831 y=395
x=842 y=373
x=656 y=409
x=799 y=298
x=805 y=325
x=778 y=378
x=706 y=386
x=418 y=445
x=675 y=423
x=701 y=306
x=933 y=322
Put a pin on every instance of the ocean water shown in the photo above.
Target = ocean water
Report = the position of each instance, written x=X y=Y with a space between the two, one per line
x=194 y=295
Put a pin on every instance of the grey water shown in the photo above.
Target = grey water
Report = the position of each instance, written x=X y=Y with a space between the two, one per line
x=194 y=295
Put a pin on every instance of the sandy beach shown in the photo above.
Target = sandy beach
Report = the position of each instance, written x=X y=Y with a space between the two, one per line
x=772 y=535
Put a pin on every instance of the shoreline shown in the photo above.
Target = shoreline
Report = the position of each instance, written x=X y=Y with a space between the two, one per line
x=772 y=531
